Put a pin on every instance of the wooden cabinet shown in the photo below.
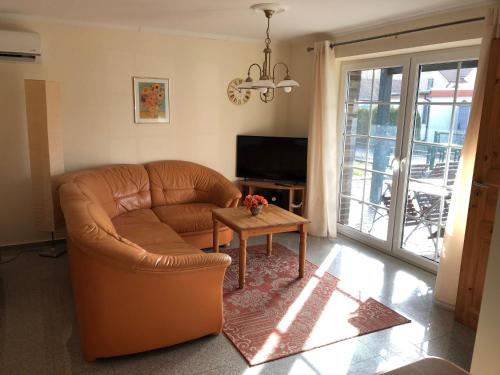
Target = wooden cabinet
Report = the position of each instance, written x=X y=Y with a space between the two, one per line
x=482 y=205
x=293 y=196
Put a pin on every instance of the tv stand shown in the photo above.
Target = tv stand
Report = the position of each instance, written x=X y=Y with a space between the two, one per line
x=294 y=195
x=283 y=184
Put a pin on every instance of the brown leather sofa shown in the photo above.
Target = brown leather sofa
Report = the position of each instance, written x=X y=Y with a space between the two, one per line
x=140 y=281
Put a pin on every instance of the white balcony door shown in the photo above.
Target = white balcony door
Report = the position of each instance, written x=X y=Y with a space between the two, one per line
x=403 y=124
x=372 y=118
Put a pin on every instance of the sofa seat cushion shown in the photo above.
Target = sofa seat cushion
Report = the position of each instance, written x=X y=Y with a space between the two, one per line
x=147 y=233
x=188 y=217
x=135 y=217
x=155 y=237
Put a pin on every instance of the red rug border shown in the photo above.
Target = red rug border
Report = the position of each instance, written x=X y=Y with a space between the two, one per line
x=318 y=346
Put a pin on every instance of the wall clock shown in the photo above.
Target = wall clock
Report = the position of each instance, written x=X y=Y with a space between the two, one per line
x=237 y=96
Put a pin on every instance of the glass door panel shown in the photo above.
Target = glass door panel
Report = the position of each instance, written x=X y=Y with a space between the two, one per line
x=370 y=131
x=441 y=113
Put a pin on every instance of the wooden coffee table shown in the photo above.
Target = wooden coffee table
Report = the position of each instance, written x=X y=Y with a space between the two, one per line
x=273 y=219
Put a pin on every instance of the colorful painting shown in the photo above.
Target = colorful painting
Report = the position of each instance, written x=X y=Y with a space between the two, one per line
x=151 y=100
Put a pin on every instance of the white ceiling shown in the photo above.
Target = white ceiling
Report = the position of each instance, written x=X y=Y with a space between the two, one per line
x=231 y=18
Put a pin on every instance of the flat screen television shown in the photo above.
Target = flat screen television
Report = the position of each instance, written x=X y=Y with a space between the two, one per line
x=271 y=158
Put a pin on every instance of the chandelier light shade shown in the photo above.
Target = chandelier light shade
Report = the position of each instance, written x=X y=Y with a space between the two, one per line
x=287 y=84
x=246 y=85
x=266 y=83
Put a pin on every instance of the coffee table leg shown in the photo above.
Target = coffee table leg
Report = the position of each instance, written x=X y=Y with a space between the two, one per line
x=269 y=244
x=302 y=249
x=243 y=261
x=216 y=236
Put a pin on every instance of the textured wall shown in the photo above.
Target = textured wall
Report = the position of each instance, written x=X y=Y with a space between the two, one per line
x=94 y=67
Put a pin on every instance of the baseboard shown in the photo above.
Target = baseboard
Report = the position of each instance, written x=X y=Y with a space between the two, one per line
x=32 y=244
x=444 y=305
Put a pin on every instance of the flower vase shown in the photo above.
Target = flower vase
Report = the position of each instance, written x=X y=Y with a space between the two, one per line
x=256 y=210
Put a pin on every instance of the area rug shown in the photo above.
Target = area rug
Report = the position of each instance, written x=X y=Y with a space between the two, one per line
x=277 y=315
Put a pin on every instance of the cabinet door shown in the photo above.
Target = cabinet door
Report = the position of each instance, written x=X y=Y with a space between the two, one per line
x=483 y=199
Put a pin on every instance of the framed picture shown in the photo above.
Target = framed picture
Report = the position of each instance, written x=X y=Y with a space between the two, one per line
x=151 y=102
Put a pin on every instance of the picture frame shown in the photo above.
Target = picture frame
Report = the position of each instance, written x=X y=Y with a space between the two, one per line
x=151 y=100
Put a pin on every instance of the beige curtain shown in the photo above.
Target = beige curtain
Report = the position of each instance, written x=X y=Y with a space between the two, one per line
x=321 y=205
x=449 y=268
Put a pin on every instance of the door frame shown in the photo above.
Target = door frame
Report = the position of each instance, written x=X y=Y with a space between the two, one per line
x=410 y=64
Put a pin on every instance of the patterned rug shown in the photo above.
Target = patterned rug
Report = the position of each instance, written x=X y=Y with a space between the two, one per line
x=276 y=314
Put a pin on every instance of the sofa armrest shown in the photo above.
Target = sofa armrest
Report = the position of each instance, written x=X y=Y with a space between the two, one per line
x=225 y=194
x=158 y=301
x=181 y=263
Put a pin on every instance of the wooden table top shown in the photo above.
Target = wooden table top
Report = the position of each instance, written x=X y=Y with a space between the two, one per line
x=240 y=218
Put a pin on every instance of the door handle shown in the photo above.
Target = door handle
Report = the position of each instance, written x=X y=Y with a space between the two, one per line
x=402 y=163
x=479 y=185
x=395 y=161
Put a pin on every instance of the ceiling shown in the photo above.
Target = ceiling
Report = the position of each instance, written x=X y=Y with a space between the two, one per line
x=231 y=18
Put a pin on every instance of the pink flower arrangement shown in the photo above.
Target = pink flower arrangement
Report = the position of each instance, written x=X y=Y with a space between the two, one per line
x=255 y=201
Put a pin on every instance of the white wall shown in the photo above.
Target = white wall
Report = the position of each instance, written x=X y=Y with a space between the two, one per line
x=95 y=67
x=300 y=102
x=486 y=358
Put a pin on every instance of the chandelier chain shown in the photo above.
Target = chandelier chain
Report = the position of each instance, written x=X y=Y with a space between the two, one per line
x=268 y=38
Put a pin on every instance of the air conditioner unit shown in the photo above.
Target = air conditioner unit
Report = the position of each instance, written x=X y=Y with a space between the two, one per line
x=19 y=46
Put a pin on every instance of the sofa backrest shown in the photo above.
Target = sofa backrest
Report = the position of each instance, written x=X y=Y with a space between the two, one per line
x=91 y=229
x=117 y=188
x=84 y=214
x=177 y=182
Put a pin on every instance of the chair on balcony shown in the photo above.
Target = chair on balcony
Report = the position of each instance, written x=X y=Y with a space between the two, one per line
x=428 y=215
x=439 y=170
x=416 y=171
x=385 y=201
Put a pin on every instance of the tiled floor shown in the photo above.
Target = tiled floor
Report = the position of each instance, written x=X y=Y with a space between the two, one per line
x=38 y=333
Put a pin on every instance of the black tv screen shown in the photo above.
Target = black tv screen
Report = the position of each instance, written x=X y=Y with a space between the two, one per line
x=271 y=158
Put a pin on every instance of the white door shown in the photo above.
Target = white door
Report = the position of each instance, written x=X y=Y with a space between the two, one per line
x=372 y=130
x=438 y=106
x=403 y=124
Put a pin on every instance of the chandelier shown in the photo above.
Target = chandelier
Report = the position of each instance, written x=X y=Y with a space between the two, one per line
x=266 y=83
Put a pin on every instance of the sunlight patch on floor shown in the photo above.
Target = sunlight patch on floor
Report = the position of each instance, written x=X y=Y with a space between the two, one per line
x=415 y=330
x=366 y=275
x=304 y=295
x=333 y=318
x=268 y=348
x=335 y=359
x=297 y=305
x=405 y=285
x=254 y=370
x=328 y=261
